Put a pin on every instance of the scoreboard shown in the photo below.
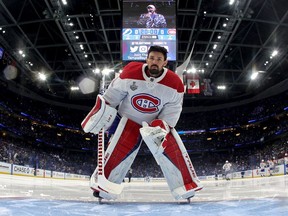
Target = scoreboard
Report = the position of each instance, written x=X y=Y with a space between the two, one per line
x=136 y=40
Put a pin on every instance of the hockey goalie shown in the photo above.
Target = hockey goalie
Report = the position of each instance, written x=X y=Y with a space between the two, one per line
x=146 y=101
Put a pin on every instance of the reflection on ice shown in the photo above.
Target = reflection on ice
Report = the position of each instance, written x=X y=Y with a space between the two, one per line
x=261 y=207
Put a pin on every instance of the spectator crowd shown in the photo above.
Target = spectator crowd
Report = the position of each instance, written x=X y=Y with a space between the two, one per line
x=46 y=136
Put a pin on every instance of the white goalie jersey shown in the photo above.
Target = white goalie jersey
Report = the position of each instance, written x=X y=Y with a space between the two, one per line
x=146 y=98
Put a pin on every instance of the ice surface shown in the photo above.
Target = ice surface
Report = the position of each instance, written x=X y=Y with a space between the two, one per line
x=36 y=196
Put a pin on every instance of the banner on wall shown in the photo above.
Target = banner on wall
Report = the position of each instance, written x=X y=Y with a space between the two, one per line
x=5 y=168
x=22 y=170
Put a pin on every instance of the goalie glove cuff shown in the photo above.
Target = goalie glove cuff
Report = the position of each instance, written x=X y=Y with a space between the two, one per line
x=161 y=123
x=156 y=132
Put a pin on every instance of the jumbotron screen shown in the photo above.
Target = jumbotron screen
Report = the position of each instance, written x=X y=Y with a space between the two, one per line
x=148 y=23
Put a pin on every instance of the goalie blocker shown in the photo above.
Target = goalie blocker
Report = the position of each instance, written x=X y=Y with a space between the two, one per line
x=171 y=155
x=101 y=116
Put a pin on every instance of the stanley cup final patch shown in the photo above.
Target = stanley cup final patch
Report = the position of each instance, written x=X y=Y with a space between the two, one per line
x=133 y=87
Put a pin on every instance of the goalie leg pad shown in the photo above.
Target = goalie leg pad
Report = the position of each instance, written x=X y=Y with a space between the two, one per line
x=120 y=154
x=175 y=164
x=122 y=150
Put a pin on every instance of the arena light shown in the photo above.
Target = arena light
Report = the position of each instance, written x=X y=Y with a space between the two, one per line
x=96 y=71
x=191 y=70
x=42 y=76
x=221 y=87
x=254 y=75
x=74 y=88
x=106 y=71
x=274 y=53
x=21 y=53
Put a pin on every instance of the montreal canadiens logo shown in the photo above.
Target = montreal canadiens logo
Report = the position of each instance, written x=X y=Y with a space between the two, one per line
x=172 y=31
x=145 y=103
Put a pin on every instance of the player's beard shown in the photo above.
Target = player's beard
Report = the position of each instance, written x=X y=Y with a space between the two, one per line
x=154 y=71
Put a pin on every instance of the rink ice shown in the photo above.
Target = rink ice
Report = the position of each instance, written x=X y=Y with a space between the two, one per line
x=29 y=196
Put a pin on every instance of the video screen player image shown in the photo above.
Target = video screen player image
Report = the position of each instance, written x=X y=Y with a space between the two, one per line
x=145 y=24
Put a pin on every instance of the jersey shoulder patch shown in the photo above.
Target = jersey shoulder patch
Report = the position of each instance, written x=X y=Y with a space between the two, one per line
x=133 y=70
x=172 y=80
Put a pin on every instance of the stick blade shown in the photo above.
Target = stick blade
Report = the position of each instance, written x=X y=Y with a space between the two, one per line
x=109 y=186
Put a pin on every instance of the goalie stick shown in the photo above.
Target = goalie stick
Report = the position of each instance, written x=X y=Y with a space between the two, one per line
x=103 y=183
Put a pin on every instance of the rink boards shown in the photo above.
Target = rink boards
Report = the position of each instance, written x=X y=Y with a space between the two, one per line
x=13 y=169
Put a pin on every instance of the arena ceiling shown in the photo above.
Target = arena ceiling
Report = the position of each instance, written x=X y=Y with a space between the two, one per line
x=41 y=28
